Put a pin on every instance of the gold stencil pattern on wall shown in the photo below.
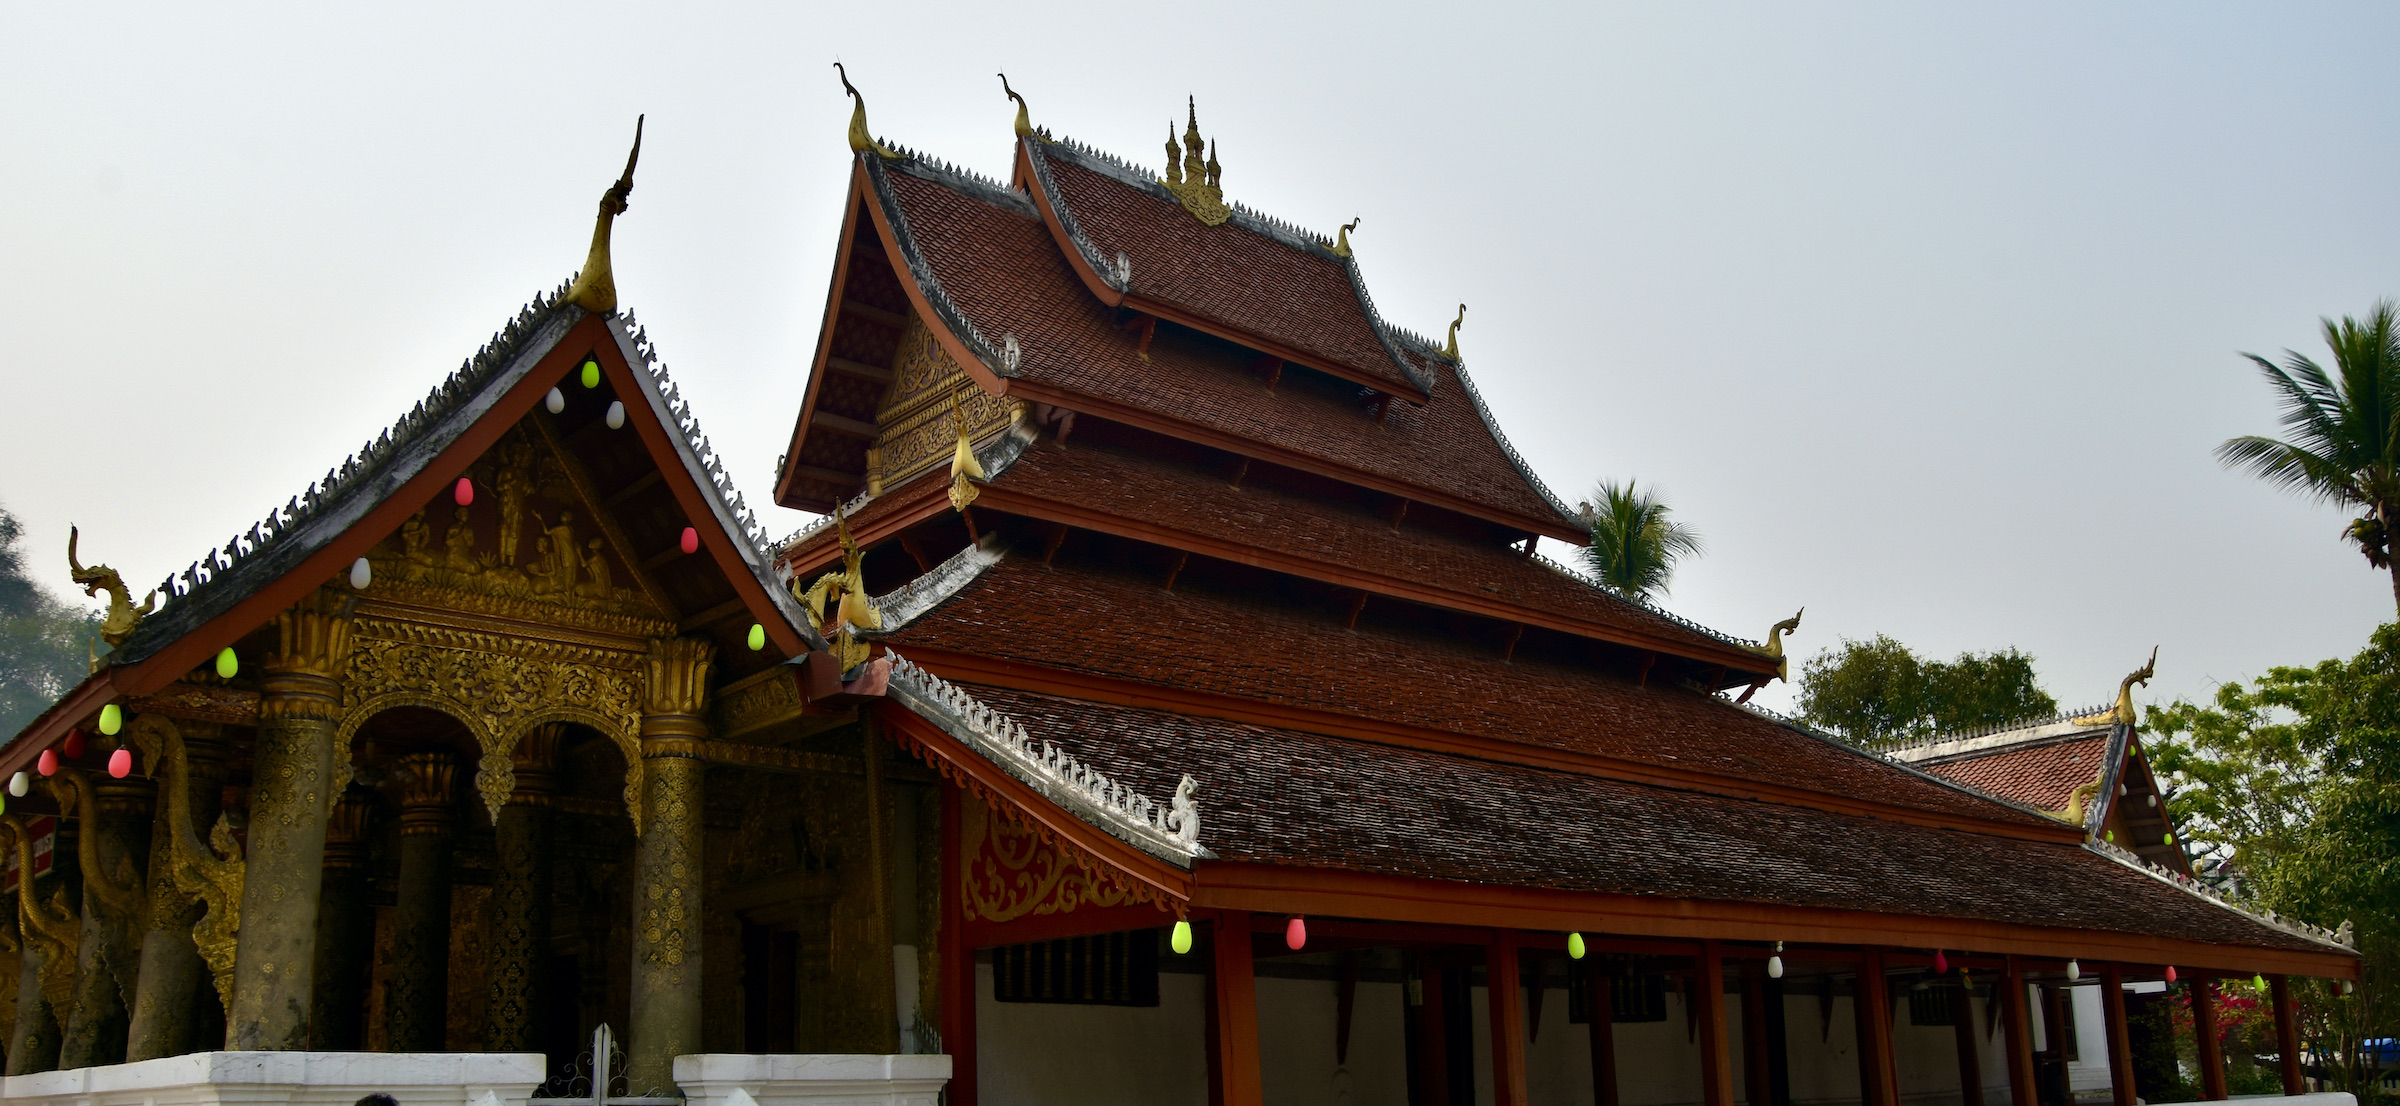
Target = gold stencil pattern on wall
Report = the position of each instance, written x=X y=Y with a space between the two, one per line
x=1010 y=872
x=913 y=430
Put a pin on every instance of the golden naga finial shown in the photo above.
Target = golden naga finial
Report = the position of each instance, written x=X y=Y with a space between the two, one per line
x=1451 y=351
x=861 y=139
x=1341 y=242
x=1024 y=118
x=595 y=287
x=123 y=616
x=963 y=464
x=2122 y=714
x=1774 y=646
x=846 y=590
x=1195 y=182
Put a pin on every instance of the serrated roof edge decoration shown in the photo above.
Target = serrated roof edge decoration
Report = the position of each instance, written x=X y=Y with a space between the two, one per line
x=2328 y=937
x=2034 y=723
x=919 y=270
x=1117 y=276
x=1642 y=604
x=291 y=533
x=1171 y=832
x=996 y=455
x=910 y=601
x=1524 y=468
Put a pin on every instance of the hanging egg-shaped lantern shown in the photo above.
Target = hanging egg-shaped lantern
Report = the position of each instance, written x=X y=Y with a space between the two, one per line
x=1941 y=963
x=2260 y=983
x=591 y=373
x=2074 y=971
x=19 y=784
x=120 y=763
x=72 y=747
x=1775 y=962
x=556 y=401
x=758 y=637
x=1575 y=946
x=47 y=763
x=228 y=665
x=2170 y=973
x=361 y=574
x=691 y=539
x=464 y=493
x=1295 y=934
x=112 y=719
x=2346 y=986
x=616 y=414
x=1181 y=939
x=2170 y=837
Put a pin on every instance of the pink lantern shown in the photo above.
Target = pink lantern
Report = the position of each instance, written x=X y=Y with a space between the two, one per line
x=2170 y=973
x=72 y=747
x=691 y=540
x=464 y=493
x=1295 y=933
x=47 y=763
x=120 y=763
x=1941 y=963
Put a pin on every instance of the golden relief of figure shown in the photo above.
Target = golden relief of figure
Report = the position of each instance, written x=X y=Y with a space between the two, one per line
x=413 y=535
x=517 y=460
x=458 y=545
x=600 y=586
x=557 y=563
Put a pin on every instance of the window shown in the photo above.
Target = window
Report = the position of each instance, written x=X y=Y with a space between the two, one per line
x=1113 y=969
x=1632 y=998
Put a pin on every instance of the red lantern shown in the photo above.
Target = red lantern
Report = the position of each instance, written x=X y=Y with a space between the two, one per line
x=47 y=763
x=1941 y=963
x=120 y=765
x=2170 y=973
x=691 y=540
x=72 y=747
x=1295 y=933
x=464 y=492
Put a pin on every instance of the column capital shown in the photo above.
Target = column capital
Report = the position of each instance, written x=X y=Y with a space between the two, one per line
x=677 y=671
x=312 y=637
x=428 y=788
x=532 y=762
x=346 y=830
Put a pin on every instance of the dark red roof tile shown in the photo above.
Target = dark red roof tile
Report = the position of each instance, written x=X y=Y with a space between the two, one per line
x=2043 y=776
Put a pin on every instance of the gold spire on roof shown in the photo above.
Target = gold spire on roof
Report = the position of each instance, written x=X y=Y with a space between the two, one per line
x=595 y=287
x=963 y=464
x=2122 y=714
x=1024 y=118
x=1774 y=646
x=1341 y=243
x=1451 y=351
x=1198 y=184
x=860 y=137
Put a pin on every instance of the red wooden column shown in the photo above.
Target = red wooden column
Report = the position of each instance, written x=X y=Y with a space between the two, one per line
x=957 y=962
x=2287 y=1034
x=1504 y=990
x=2018 y=1023
x=1878 y=1073
x=1962 y=1025
x=1758 y=1075
x=2120 y=1044
x=1600 y=1001
x=1236 y=1013
x=1716 y=1053
x=2209 y=1038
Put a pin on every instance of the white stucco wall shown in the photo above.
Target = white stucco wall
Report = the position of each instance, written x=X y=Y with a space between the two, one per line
x=1057 y=1054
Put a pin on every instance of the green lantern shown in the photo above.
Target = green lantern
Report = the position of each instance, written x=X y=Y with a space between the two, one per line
x=112 y=719
x=1575 y=946
x=1181 y=939
x=228 y=664
x=591 y=373
x=758 y=637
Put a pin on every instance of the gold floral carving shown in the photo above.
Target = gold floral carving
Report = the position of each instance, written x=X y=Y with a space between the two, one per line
x=672 y=873
x=1011 y=872
x=312 y=638
x=758 y=702
x=914 y=431
x=211 y=873
x=676 y=673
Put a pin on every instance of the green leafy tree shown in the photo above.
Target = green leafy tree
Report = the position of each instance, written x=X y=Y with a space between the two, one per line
x=1634 y=543
x=43 y=640
x=2292 y=784
x=2343 y=427
x=1878 y=692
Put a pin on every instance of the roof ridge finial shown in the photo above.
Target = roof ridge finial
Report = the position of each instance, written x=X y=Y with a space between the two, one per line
x=595 y=288
x=1451 y=351
x=1341 y=242
x=2123 y=714
x=1024 y=117
x=861 y=139
x=1195 y=183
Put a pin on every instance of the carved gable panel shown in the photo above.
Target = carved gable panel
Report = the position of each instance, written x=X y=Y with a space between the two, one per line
x=1010 y=872
x=913 y=427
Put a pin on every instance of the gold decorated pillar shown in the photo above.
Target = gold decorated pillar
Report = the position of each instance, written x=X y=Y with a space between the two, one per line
x=419 y=994
x=291 y=788
x=521 y=897
x=46 y=928
x=345 y=929
x=112 y=819
x=667 y=865
x=169 y=986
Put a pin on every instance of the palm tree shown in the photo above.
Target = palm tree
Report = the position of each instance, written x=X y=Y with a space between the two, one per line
x=2344 y=426
x=1634 y=545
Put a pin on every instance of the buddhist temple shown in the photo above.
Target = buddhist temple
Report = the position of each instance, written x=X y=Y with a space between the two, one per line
x=1174 y=703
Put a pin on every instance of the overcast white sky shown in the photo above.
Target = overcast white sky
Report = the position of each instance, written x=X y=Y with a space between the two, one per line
x=1925 y=315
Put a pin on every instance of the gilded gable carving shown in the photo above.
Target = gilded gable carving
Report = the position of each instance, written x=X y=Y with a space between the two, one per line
x=913 y=430
x=1010 y=872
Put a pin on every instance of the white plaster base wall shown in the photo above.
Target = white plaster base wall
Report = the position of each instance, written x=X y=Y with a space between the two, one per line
x=1062 y=1054
x=725 y=1079
x=288 y=1079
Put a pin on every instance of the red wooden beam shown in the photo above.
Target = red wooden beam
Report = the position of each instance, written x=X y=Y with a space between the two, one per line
x=957 y=962
x=1878 y=1075
x=1962 y=1026
x=1236 y=1013
x=2208 y=1038
x=1707 y=991
x=1601 y=1003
